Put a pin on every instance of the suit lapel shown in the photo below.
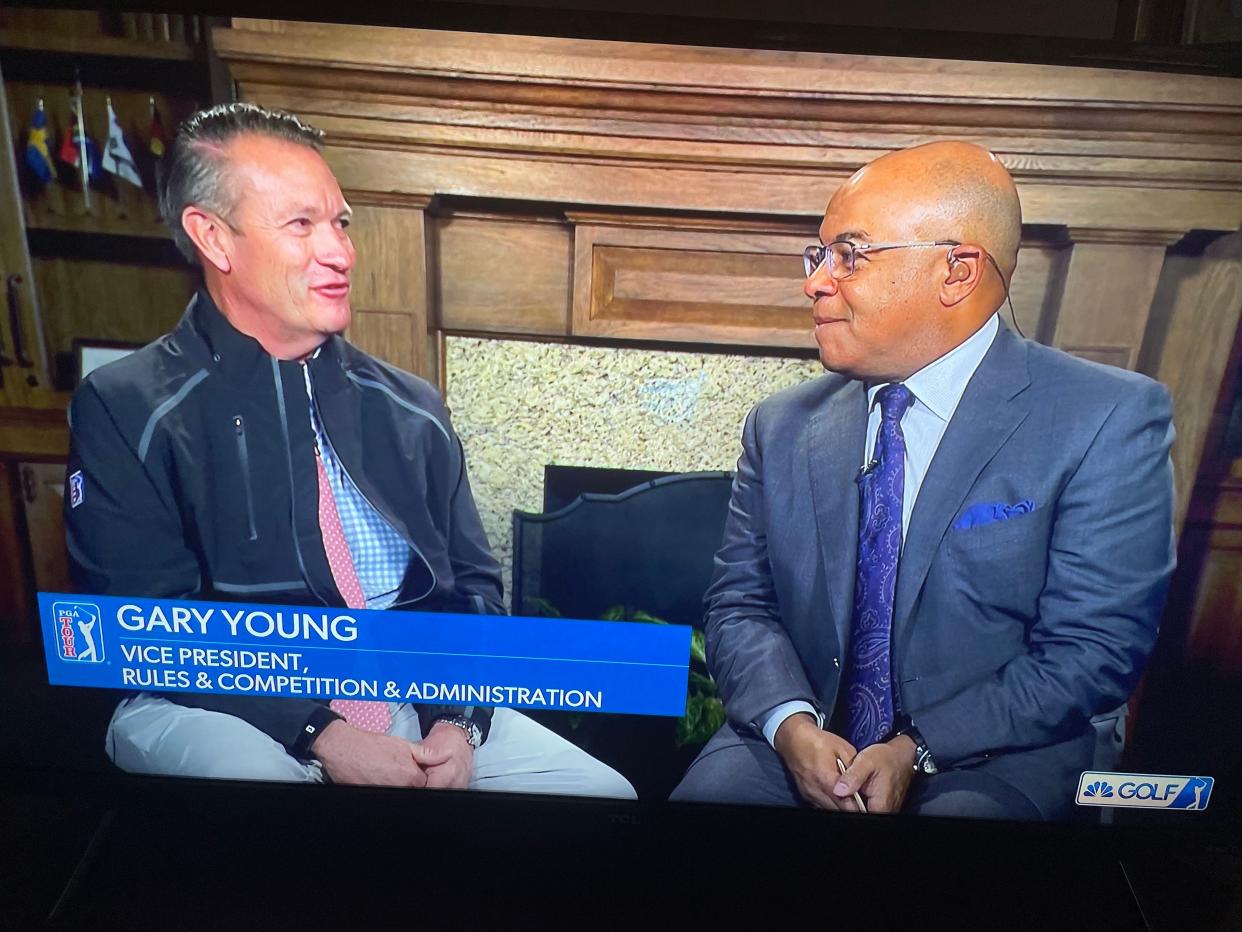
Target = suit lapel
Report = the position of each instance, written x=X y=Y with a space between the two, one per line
x=985 y=419
x=837 y=438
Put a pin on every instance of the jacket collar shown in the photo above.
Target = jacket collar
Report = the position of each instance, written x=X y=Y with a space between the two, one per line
x=235 y=355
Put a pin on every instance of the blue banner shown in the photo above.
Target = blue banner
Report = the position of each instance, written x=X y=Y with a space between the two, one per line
x=233 y=648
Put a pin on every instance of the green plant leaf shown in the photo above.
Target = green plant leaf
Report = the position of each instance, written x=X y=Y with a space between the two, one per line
x=541 y=607
x=613 y=613
x=687 y=725
x=698 y=646
x=702 y=685
x=640 y=615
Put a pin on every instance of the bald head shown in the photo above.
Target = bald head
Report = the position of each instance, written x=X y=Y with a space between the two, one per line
x=950 y=190
x=927 y=224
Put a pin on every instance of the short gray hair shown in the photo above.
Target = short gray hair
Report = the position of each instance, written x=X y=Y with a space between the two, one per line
x=195 y=170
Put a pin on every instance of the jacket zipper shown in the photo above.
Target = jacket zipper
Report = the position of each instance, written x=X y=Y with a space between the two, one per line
x=243 y=453
x=409 y=543
x=293 y=498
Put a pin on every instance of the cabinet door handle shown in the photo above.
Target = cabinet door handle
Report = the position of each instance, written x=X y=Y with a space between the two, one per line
x=15 y=321
x=30 y=485
x=6 y=360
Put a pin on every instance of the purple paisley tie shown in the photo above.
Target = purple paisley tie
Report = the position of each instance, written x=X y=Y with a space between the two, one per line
x=869 y=696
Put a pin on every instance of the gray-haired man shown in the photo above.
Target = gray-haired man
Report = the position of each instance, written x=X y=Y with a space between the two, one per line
x=253 y=454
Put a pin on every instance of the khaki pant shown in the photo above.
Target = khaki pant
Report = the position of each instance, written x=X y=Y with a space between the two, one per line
x=152 y=735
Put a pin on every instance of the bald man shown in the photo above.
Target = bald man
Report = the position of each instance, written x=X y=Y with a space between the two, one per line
x=946 y=556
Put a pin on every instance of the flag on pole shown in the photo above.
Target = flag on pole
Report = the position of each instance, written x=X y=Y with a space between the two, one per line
x=70 y=148
x=38 y=156
x=156 y=144
x=117 y=158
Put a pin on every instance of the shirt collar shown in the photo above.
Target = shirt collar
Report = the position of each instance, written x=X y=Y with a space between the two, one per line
x=939 y=385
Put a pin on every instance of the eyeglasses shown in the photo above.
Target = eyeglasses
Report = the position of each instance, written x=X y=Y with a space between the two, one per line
x=840 y=255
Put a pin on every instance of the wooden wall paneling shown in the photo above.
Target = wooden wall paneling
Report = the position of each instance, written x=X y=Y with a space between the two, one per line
x=43 y=493
x=582 y=62
x=35 y=431
x=784 y=191
x=1036 y=286
x=390 y=281
x=1214 y=629
x=15 y=599
x=822 y=135
x=1107 y=294
x=108 y=299
x=16 y=281
x=68 y=22
x=502 y=274
x=726 y=285
x=1196 y=323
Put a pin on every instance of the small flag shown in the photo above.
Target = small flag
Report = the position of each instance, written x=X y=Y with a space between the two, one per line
x=156 y=144
x=38 y=156
x=70 y=145
x=117 y=158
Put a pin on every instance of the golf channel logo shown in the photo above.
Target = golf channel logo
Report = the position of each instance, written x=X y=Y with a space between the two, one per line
x=1143 y=790
x=79 y=637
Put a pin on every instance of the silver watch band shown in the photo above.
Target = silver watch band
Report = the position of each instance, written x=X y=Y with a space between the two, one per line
x=474 y=734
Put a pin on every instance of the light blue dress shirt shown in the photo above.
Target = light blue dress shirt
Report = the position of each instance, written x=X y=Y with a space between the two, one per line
x=937 y=390
x=381 y=556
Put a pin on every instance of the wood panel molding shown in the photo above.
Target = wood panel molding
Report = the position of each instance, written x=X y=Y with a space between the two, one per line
x=406 y=200
x=390 y=282
x=455 y=111
x=1107 y=293
x=1126 y=237
x=647 y=283
x=34 y=434
x=1197 y=320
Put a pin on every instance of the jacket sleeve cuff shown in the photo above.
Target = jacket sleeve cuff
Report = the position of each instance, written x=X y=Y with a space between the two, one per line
x=319 y=719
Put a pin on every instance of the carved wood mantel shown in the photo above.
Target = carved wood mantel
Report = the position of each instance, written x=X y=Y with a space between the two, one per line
x=577 y=188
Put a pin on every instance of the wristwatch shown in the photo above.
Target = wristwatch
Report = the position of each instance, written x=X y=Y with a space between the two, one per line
x=924 y=763
x=474 y=734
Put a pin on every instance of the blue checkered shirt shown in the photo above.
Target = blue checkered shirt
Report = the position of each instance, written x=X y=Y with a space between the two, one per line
x=381 y=555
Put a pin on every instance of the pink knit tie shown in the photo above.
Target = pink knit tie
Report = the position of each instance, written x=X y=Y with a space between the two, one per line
x=367 y=716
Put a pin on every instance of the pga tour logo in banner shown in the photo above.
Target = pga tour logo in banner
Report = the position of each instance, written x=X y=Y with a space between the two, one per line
x=78 y=636
x=1143 y=790
x=231 y=648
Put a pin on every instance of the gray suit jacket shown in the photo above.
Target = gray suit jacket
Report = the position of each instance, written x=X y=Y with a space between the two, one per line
x=1008 y=636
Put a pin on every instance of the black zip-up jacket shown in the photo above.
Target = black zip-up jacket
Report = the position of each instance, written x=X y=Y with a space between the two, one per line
x=199 y=482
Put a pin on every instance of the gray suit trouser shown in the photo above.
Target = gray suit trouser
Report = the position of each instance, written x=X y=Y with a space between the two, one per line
x=736 y=767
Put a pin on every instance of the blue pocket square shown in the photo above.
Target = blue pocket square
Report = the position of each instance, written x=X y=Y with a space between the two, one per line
x=989 y=512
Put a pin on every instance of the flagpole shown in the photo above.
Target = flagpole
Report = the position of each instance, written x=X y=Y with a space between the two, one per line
x=83 y=158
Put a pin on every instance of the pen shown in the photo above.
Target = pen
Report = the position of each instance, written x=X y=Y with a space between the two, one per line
x=857 y=798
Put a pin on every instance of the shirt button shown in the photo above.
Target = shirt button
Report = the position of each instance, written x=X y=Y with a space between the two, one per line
x=836 y=663
x=215 y=357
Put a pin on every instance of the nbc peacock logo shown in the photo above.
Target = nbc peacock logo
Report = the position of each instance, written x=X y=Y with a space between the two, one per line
x=1144 y=790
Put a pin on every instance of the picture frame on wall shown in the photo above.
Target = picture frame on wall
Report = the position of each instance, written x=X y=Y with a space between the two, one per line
x=89 y=355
